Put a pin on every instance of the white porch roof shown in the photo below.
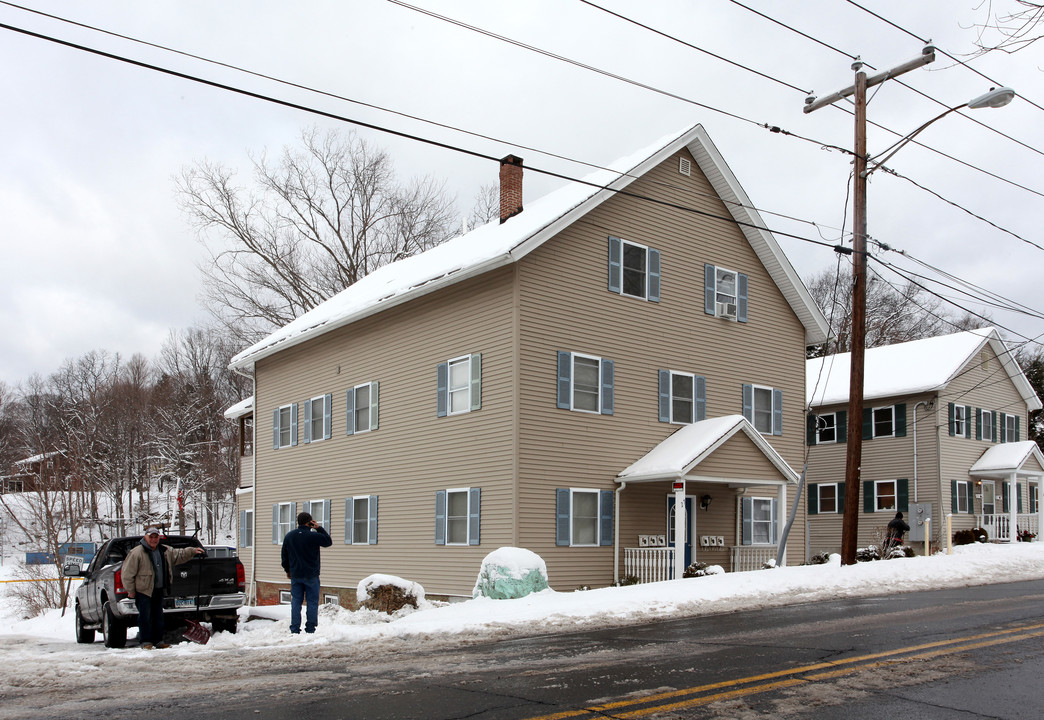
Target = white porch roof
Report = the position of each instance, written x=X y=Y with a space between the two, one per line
x=1006 y=458
x=241 y=408
x=680 y=453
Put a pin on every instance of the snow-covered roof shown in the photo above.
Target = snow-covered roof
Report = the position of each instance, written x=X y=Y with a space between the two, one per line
x=1006 y=458
x=241 y=408
x=496 y=244
x=38 y=458
x=687 y=447
x=909 y=368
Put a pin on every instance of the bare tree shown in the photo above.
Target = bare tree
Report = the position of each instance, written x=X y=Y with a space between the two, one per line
x=487 y=206
x=327 y=213
x=1009 y=31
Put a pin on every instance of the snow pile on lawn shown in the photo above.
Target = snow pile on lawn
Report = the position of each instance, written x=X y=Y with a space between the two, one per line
x=548 y=611
x=511 y=572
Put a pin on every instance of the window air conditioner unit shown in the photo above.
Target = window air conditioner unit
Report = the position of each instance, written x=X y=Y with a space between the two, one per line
x=727 y=310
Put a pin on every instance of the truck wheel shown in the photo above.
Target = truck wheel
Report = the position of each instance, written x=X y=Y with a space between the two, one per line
x=83 y=635
x=229 y=625
x=114 y=631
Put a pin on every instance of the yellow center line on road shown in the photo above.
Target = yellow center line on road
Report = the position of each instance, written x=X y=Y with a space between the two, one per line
x=933 y=649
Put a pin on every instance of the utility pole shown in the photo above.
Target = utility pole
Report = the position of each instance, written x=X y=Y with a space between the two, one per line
x=853 y=457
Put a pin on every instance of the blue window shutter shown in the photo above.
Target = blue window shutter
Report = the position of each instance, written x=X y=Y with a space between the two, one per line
x=978 y=423
x=900 y=420
x=306 y=506
x=275 y=525
x=275 y=429
x=327 y=415
x=242 y=528
x=701 y=398
x=654 y=275
x=372 y=525
x=813 y=496
x=326 y=514
x=607 y=387
x=664 y=395
x=615 y=264
x=565 y=388
x=442 y=389
x=476 y=381
x=349 y=414
x=841 y=423
x=293 y=424
x=741 y=297
x=307 y=422
x=474 y=511
x=950 y=419
x=810 y=429
x=868 y=423
x=777 y=412
x=869 y=496
x=605 y=517
x=375 y=395
x=709 y=291
x=902 y=494
x=748 y=402
x=349 y=508
x=747 y=514
x=967 y=421
x=562 y=516
x=440 y=517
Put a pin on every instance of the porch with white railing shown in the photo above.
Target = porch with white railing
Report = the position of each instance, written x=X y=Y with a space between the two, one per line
x=751 y=557
x=998 y=525
x=655 y=564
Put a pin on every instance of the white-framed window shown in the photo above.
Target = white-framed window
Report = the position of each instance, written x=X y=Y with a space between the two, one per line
x=725 y=293
x=960 y=420
x=585 y=383
x=584 y=517
x=986 y=425
x=634 y=270
x=828 y=498
x=682 y=397
x=1034 y=498
x=319 y=510
x=459 y=385
x=725 y=286
x=759 y=520
x=283 y=521
x=883 y=421
x=885 y=495
x=826 y=428
x=360 y=520
x=284 y=426
x=330 y=599
x=362 y=403
x=763 y=407
x=317 y=418
x=962 y=496
x=1011 y=428
x=246 y=528
x=284 y=597
x=457 y=516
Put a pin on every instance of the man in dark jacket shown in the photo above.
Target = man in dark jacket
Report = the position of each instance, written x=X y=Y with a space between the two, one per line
x=301 y=564
x=896 y=528
x=147 y=573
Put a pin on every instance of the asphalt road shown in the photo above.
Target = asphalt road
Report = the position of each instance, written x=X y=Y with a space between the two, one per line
x=968 y=653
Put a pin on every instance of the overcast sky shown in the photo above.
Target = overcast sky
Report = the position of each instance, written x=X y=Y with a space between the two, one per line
x=96 y=254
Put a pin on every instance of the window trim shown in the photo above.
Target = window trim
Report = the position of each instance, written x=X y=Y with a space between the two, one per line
x=278 y=426
x=246 y=528
x=873 y=421
x=666 y=396
x=820 y=427
x=474 y=387
x=1009 y=434
x=969 y=503
x=473 y=518
x=986 y=427
x=309 y=507
x=310 y=419
x=878 y=495
x=284 y=597
x=775 y=407
x=747 y=526
x=351 y=408
x=960 y=420
x=564 y=516
x=819 y=499
x=573 y=492
x=710 y=293
x=651 y=274
x=351 y=520
x=278 y=531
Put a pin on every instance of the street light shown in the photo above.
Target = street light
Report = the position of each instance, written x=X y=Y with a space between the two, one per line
x=996 y=97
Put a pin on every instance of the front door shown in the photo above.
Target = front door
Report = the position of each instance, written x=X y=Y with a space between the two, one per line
x=688 y=527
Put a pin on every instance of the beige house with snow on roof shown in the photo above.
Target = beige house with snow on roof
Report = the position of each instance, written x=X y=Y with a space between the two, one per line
x=944 y=434
x=559 y=381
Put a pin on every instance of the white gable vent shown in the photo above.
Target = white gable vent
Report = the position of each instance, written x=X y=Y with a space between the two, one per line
x=685 y=166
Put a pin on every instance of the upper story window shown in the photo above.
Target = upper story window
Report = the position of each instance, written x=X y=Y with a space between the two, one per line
x=985 y=431
x=360 y=520
x=634 y=270
x=959 y=419
x=284 y=426
x=583 y=517
x=1009 y=428
x=826 y=428
x=457 y=519
x=725 y=293
x=585 y=383
x=682 y=397
x=961 y=502
x=763 y=407
x=886 y=421
x=246 y=528
x=361 y=414
x=459 y=385
x=317 y=418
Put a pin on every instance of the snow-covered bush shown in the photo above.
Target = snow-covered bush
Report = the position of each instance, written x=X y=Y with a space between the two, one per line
x=702 y=569
x=509 y=572
x=388 y=593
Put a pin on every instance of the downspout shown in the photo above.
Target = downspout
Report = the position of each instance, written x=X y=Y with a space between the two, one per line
x=781 y=550
x=616 y=534
x=252 y=595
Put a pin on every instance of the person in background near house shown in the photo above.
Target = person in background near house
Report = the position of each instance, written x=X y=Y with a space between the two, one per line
x=147 y=573
x=896 y=528
x=301 y=563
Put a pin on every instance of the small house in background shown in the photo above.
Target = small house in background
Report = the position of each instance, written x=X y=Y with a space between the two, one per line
x=611 y=377
x=944 y=432
x=48 y=470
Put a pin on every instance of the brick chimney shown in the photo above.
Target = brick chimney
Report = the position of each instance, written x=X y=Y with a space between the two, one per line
x=510 y=187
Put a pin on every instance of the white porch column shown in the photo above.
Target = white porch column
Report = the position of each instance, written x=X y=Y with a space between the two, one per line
x=679 y=530
x=1040 y=510
x=1013 y=508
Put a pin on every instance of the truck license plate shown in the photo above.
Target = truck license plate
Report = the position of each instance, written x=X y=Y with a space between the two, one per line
x=184 y=602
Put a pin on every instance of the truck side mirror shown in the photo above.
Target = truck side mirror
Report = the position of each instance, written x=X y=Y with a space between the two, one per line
x=72 y=570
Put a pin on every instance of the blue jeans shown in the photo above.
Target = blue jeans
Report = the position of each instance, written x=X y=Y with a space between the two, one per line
x=150 y=616
x=307 y=589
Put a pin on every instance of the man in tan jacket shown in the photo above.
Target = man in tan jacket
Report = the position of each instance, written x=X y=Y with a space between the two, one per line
x=147 y=573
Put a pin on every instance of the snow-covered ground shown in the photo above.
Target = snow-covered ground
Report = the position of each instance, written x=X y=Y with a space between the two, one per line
x=47 y=642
